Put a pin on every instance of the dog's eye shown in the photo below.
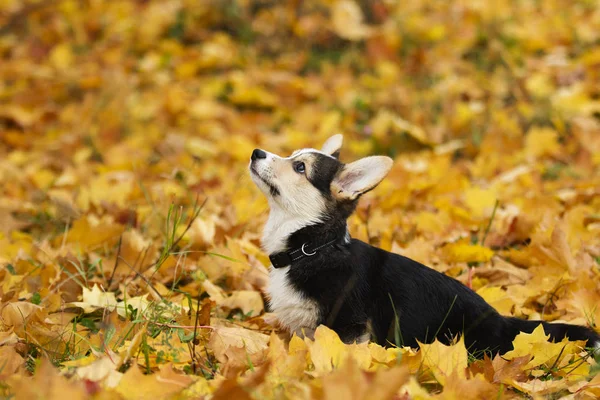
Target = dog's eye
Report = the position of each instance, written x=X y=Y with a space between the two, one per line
x=299 y=167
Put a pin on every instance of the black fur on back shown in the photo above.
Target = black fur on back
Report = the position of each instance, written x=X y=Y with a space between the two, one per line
x=357 y=285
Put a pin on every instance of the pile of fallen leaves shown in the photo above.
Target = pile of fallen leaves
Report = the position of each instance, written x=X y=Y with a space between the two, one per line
x=130 y=261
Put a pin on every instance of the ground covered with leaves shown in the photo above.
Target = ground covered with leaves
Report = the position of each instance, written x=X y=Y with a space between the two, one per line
x=130 y=261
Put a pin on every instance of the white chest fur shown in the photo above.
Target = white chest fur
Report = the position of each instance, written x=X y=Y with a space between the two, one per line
x=294 y=310
x=291 y=307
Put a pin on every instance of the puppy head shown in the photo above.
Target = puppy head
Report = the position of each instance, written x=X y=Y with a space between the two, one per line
x=314 y=185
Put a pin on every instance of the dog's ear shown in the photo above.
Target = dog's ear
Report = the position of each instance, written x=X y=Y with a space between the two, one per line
x=333 y=145
x=360 y=176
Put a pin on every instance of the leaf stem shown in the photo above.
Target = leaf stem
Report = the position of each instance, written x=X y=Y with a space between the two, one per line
x=487 y=230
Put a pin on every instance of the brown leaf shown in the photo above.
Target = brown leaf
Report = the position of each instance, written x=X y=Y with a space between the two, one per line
x=249 y=301
x=233 y=389
x=48 y=384
x=238 y=347
x=507 y=371
x=11 y=361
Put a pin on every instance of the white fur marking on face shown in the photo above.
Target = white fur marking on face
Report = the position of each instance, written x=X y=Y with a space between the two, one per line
x=305 y=151
x=293 y=310
x=297 y=205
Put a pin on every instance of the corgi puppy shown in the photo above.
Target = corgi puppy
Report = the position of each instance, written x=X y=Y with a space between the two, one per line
x=320 y=275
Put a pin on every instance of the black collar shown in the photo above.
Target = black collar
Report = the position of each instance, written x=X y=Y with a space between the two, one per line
x=285 y=258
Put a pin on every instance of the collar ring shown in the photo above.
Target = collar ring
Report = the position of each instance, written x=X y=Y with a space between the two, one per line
x=307 y=254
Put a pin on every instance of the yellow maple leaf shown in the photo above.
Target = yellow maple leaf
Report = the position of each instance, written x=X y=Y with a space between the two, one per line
x=497 y=298
x=288 y=363
x=445 y=361
x=90 y=231
x=541 y=142
x=480 y=202
x=474 y=388
x=135 y=385
x=537 y=345
x=96 y=298
x=433 y=223
x=328 y=352
x=381 y=355
x=463 y=252
x=349 y=382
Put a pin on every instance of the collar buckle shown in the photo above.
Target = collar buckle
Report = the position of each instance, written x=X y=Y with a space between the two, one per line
x=285 y=258
x=308 y=254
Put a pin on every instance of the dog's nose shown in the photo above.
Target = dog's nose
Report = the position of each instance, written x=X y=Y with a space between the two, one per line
x=258 y=154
